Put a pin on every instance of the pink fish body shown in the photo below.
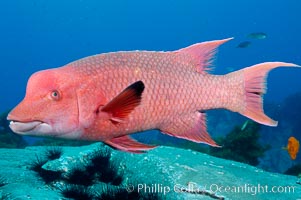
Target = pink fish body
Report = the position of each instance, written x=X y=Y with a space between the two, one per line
x=109 y=96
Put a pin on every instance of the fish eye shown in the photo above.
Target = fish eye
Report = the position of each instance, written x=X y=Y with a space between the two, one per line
x=55 y=95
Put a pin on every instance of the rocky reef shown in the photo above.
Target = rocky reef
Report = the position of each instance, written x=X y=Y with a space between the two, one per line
x=7 y=138
x=288 y=114
x=241 y=144
x=98 y=172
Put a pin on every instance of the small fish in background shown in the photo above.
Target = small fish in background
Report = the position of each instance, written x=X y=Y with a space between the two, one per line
x=244 y=126
x=230 y=69
x=292 y=147
x=257 y=35
x=244 y=44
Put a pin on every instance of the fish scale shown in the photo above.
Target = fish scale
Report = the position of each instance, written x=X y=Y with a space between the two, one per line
x=186 y=89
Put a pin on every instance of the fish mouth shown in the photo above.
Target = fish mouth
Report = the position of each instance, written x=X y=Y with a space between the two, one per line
x=25 y=127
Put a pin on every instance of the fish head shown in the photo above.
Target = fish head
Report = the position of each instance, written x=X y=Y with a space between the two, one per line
x=49 y=107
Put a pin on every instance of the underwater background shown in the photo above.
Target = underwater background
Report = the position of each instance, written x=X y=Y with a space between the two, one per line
x=42 y=34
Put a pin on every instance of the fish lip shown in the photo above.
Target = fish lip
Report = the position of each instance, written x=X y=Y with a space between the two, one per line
x=24 y=127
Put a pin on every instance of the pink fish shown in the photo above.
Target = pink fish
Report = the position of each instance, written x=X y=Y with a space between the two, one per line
x=109 y=96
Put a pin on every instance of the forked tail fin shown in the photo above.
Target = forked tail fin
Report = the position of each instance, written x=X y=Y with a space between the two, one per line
x=254 y=88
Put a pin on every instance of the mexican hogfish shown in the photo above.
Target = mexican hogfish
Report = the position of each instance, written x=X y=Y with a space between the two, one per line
x=109 y=96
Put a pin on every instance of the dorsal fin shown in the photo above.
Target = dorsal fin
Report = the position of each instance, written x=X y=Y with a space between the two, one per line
x=202 y=54
x=124 y=103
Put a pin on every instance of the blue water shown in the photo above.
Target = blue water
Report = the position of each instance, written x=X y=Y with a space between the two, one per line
x=41 y=34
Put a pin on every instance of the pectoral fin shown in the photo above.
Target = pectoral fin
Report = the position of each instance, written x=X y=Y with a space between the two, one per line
x=126 y=143
x=124 y=103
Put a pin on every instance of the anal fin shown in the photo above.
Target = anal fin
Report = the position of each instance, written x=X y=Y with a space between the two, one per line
x=128 y=144
x=190 y=127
